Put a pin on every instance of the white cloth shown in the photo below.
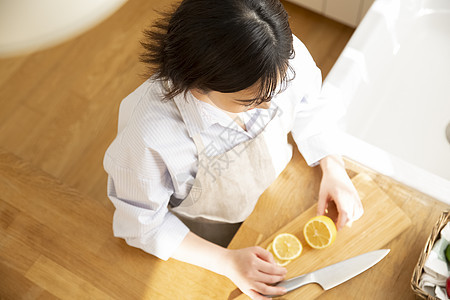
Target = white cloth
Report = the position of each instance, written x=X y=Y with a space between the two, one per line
x=433 y=286
x=436 y=268
x=436 y=263
x=154 y=157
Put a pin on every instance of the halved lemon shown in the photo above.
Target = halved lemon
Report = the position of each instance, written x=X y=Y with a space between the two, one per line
x=279 y=262
x=286 y=246
x=320 y=232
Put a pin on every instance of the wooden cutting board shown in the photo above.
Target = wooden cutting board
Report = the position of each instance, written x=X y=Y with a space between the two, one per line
x=382 y=221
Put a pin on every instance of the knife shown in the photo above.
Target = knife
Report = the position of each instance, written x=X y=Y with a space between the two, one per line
x=336 y=274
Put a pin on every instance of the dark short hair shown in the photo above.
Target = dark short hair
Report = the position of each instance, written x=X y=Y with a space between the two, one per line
x=225 y=46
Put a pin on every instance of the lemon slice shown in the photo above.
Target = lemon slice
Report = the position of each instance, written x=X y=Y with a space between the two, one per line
x=286 y=246
x=279 y=262
x=320 y=232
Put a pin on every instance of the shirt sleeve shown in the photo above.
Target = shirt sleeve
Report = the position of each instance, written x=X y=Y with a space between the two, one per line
x=315 y=128
x=142 y=217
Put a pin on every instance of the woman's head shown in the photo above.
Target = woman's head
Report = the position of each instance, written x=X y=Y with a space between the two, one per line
x=224 y=46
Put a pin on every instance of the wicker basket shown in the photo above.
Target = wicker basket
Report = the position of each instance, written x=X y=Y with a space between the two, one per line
x=443 y=220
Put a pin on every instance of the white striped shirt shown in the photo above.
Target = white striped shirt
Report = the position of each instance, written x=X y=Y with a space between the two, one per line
x=154 y=158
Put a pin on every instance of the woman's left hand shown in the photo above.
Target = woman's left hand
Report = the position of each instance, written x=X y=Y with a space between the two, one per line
x=337 y=187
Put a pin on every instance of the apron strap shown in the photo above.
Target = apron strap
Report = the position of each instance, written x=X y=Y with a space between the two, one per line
x=199 y=144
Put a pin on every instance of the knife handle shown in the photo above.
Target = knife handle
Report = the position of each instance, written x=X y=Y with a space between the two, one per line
x=294 y=283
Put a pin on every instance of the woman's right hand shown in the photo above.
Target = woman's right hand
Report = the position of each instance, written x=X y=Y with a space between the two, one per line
x=253 y=270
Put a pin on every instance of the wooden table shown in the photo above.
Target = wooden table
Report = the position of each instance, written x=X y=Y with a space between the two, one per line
x=57 y=243
x=297 y=189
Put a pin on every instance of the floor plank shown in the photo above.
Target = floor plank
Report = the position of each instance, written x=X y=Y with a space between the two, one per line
x=65 y=286
x=12 y=281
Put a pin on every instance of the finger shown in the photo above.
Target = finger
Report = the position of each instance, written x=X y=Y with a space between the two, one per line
x=360 y=211
x=271 y=259
x=357 y=212
x=322 y=203
x=267 y=263
x=267 y=278
x=358 y=208
x=342 y=220
x=271 y=269
x=351 y=216
x=264 y=254
x=349 y=223
x=256 y=296
x=269 y=290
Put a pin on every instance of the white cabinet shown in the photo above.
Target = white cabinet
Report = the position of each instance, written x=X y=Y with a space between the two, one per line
x=365 y=7
x=344 y=11
x=314 y=5
x=348 y=12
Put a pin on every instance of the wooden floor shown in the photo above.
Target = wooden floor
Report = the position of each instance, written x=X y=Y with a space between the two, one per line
x=58 y=114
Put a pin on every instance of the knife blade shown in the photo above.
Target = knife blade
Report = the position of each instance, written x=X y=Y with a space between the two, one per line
x=333 y=275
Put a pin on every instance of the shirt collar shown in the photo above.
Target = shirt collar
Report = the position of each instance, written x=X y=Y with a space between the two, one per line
x=199 y=116
x=190 y=111
x=213 y=115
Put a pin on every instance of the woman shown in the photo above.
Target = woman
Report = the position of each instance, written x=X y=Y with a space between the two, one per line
x=202 y=138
